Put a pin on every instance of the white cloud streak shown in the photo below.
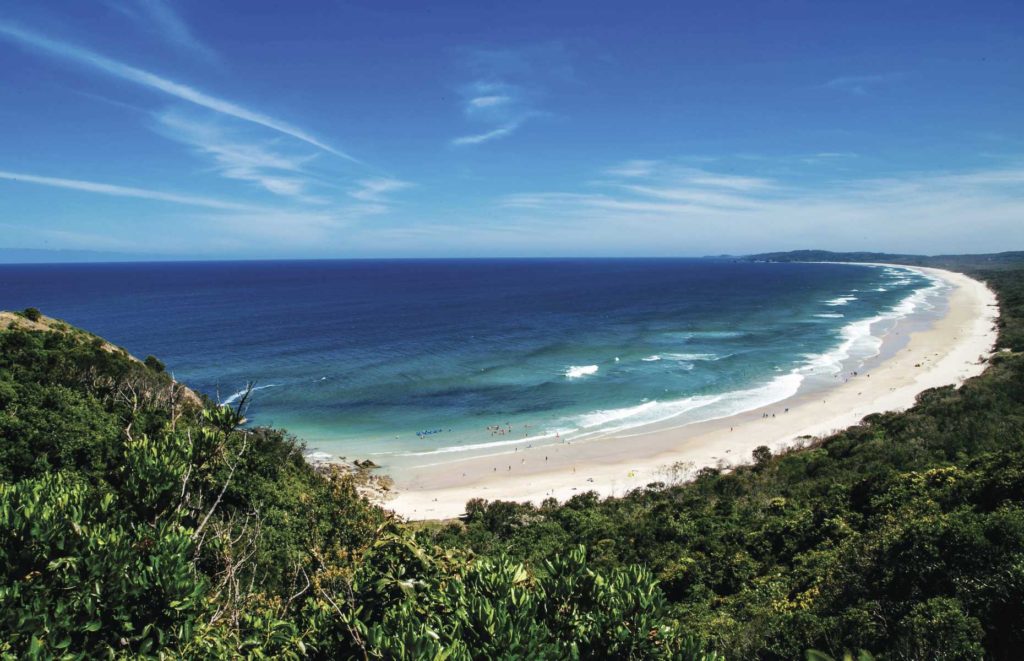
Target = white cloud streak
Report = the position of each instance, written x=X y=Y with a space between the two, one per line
x=652 y=208
x=124 y=191
x=488 y=101
x=494 y=103
x=376 y=190
x=152 y=81
x=634 y=168
x=254 y=162
x=506 y=87
x=478 y=138
x=234 y=227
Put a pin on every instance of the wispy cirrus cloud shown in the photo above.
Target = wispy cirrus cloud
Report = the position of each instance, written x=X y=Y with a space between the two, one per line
x=249 y=160
x=862 y=85
x=633 y=168
x=125 y=191
x=489 y=101
x=507 y=87
x=497 y=104
x=375 y=195
x=280 y=171
x=377 y=190
x=152 y=81
x=308 y=215
x=160 y=17
x=487 y=136
x=650 y=207
x=228 y=226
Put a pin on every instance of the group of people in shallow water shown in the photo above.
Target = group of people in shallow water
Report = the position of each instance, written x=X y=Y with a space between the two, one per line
x=506 y=429
x=429 y=432
x=500 y=430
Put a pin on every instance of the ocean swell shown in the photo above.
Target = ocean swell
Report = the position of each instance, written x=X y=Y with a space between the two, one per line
x=855 y=341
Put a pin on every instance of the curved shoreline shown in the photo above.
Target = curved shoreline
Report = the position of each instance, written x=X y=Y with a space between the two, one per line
x=944 y=353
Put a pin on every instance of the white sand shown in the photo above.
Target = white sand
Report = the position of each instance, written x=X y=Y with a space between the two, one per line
x=946 y=352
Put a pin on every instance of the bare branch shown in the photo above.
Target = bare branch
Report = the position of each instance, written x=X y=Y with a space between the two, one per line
x=224 y=488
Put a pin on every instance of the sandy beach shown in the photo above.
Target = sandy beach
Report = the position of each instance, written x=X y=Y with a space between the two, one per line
x=914 y=357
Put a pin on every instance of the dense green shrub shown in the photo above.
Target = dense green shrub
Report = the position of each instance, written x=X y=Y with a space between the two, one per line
x=135 y=522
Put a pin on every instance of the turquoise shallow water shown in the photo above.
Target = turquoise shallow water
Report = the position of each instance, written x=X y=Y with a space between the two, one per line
x=409 y=360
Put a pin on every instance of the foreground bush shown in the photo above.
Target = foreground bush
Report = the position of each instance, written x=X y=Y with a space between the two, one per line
x=137 y=523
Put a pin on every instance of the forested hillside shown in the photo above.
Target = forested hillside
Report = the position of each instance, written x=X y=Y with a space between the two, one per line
x=139 y=521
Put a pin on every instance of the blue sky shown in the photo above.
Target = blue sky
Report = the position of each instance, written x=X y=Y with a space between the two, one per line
x=363 y=129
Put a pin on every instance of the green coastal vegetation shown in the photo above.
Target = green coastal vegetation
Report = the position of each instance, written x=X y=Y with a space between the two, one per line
x=139 y=520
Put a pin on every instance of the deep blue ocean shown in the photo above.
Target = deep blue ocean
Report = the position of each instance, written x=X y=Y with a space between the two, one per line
x=402 y=359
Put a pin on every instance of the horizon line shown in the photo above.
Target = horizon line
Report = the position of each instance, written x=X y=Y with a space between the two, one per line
x=214 y=260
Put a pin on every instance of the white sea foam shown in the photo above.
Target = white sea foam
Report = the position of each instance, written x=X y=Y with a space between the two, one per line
x=684 y=357
x=693 y=356
x=701 y=407
x=830 y=315
x=840 y=300
x=618 y=420
x=577 y=371
x=523 y=441
x=598 y=418
x=234 y=397
x=684 y=336
x=706 y=407
x=856 y=338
